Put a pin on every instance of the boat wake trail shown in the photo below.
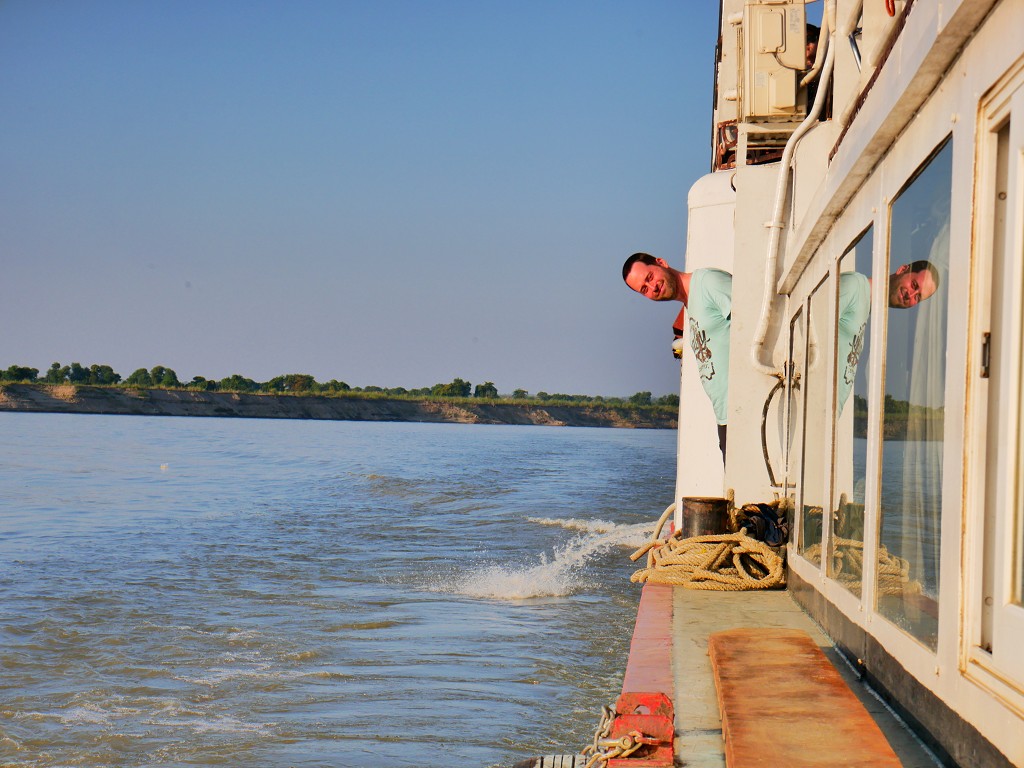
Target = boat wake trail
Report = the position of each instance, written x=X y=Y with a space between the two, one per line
x=563 y=573
x=599 y=526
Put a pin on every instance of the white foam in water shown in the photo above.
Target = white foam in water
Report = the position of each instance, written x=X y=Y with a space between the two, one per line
x=218 y=675
x=80 y=715
x=216 y=724
x=560 y=575
x=628 y=532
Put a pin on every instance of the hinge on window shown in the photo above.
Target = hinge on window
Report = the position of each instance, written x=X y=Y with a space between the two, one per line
x=986 y=353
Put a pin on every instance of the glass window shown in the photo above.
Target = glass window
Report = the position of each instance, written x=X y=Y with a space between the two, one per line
x=794 y=436
x=1010 y=220
x=817 y=425
x=915 y=379
x=853 y=353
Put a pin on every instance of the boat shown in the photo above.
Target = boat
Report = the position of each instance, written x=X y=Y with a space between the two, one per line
x=869 y=204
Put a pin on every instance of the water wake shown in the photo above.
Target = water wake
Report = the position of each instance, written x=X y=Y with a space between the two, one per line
x=629 y=533
x=561 y=574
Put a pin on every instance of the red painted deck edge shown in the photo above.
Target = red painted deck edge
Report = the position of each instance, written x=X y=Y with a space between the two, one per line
x=649 y=668
x=646 y=705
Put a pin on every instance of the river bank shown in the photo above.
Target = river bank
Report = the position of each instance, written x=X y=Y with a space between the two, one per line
x=67 y=398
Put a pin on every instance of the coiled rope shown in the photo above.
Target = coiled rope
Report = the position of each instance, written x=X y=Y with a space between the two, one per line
x=848 y=567
x=725 y=562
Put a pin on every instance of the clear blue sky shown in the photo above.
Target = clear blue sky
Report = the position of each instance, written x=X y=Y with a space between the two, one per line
x=382 y=192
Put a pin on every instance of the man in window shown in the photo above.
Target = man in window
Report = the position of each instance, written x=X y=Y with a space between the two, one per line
x=908 y=286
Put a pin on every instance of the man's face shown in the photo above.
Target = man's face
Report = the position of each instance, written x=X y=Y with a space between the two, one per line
x=908 y=288
x=655 y=281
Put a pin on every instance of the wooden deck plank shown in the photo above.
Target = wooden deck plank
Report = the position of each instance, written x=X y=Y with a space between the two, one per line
x=784 y=704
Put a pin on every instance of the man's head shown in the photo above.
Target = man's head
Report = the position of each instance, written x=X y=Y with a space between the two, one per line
x=651 y=277
x=811 y=49
x=912 y=284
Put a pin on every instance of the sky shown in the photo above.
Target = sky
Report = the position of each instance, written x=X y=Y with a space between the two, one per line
x=384 y=192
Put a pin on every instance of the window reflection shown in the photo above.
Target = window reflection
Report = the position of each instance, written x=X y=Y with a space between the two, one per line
x=817 y=407
x=915 y=377
x=797 y=347
x=846 y=563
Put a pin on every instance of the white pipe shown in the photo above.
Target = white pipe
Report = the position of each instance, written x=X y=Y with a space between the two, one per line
x=845 y=32
x=819 y=58
x=776 y=223
x=851 y=20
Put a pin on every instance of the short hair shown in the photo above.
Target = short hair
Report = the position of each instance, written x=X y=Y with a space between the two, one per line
x=923 y=264
x=813 y=33
x=643 y=258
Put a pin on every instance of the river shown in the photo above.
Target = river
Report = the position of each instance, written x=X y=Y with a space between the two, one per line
x=241 y=592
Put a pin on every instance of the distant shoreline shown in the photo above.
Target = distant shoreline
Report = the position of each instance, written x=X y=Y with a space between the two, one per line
x=69 y=398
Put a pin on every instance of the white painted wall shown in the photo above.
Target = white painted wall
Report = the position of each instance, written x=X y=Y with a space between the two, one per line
x=709 y=243
x=748 y=387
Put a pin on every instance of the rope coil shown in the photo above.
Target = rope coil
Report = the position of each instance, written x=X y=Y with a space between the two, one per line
x=726 y=562
x=848 y=567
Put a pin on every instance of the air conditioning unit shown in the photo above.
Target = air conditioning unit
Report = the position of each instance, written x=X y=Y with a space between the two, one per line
x=774 y=41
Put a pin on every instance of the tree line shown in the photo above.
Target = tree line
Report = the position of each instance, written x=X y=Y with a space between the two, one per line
x=162 y=377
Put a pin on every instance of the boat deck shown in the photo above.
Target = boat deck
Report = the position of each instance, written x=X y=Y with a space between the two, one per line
x=697 y=615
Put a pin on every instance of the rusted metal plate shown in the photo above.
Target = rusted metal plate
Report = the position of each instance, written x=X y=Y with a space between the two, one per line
x=657 y=733
x=783 y=703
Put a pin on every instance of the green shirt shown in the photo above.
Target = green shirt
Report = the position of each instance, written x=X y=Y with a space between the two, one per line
x=709 y=305
x=854 y=310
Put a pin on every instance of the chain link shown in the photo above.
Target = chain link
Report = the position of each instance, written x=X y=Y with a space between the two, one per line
x=604 y=748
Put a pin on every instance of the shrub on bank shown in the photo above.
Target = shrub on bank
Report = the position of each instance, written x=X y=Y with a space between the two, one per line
x=458 y=391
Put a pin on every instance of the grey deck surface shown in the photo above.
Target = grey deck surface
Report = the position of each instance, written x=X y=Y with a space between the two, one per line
x=696 y=614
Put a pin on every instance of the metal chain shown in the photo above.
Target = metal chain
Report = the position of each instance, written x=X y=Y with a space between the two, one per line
x=604 y=748
x=604 y=729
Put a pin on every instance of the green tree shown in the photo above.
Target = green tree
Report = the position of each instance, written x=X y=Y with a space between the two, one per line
x=520 y=394
x=543 y=396
x=139 y=378
x=487 y=389
x=202 y=384
x=77 y=374
x=860 y=404
x=672 y=400
x=640 y=398
x=892 y=405
x=237 y=383
x=292 y=382
x=103 y=375
x=164 y=377
x=56 y=374
x=335 y=386
x=457 y=388
x=19 y=373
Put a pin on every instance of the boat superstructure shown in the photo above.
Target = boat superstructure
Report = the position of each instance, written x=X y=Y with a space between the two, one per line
x=868 y=199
